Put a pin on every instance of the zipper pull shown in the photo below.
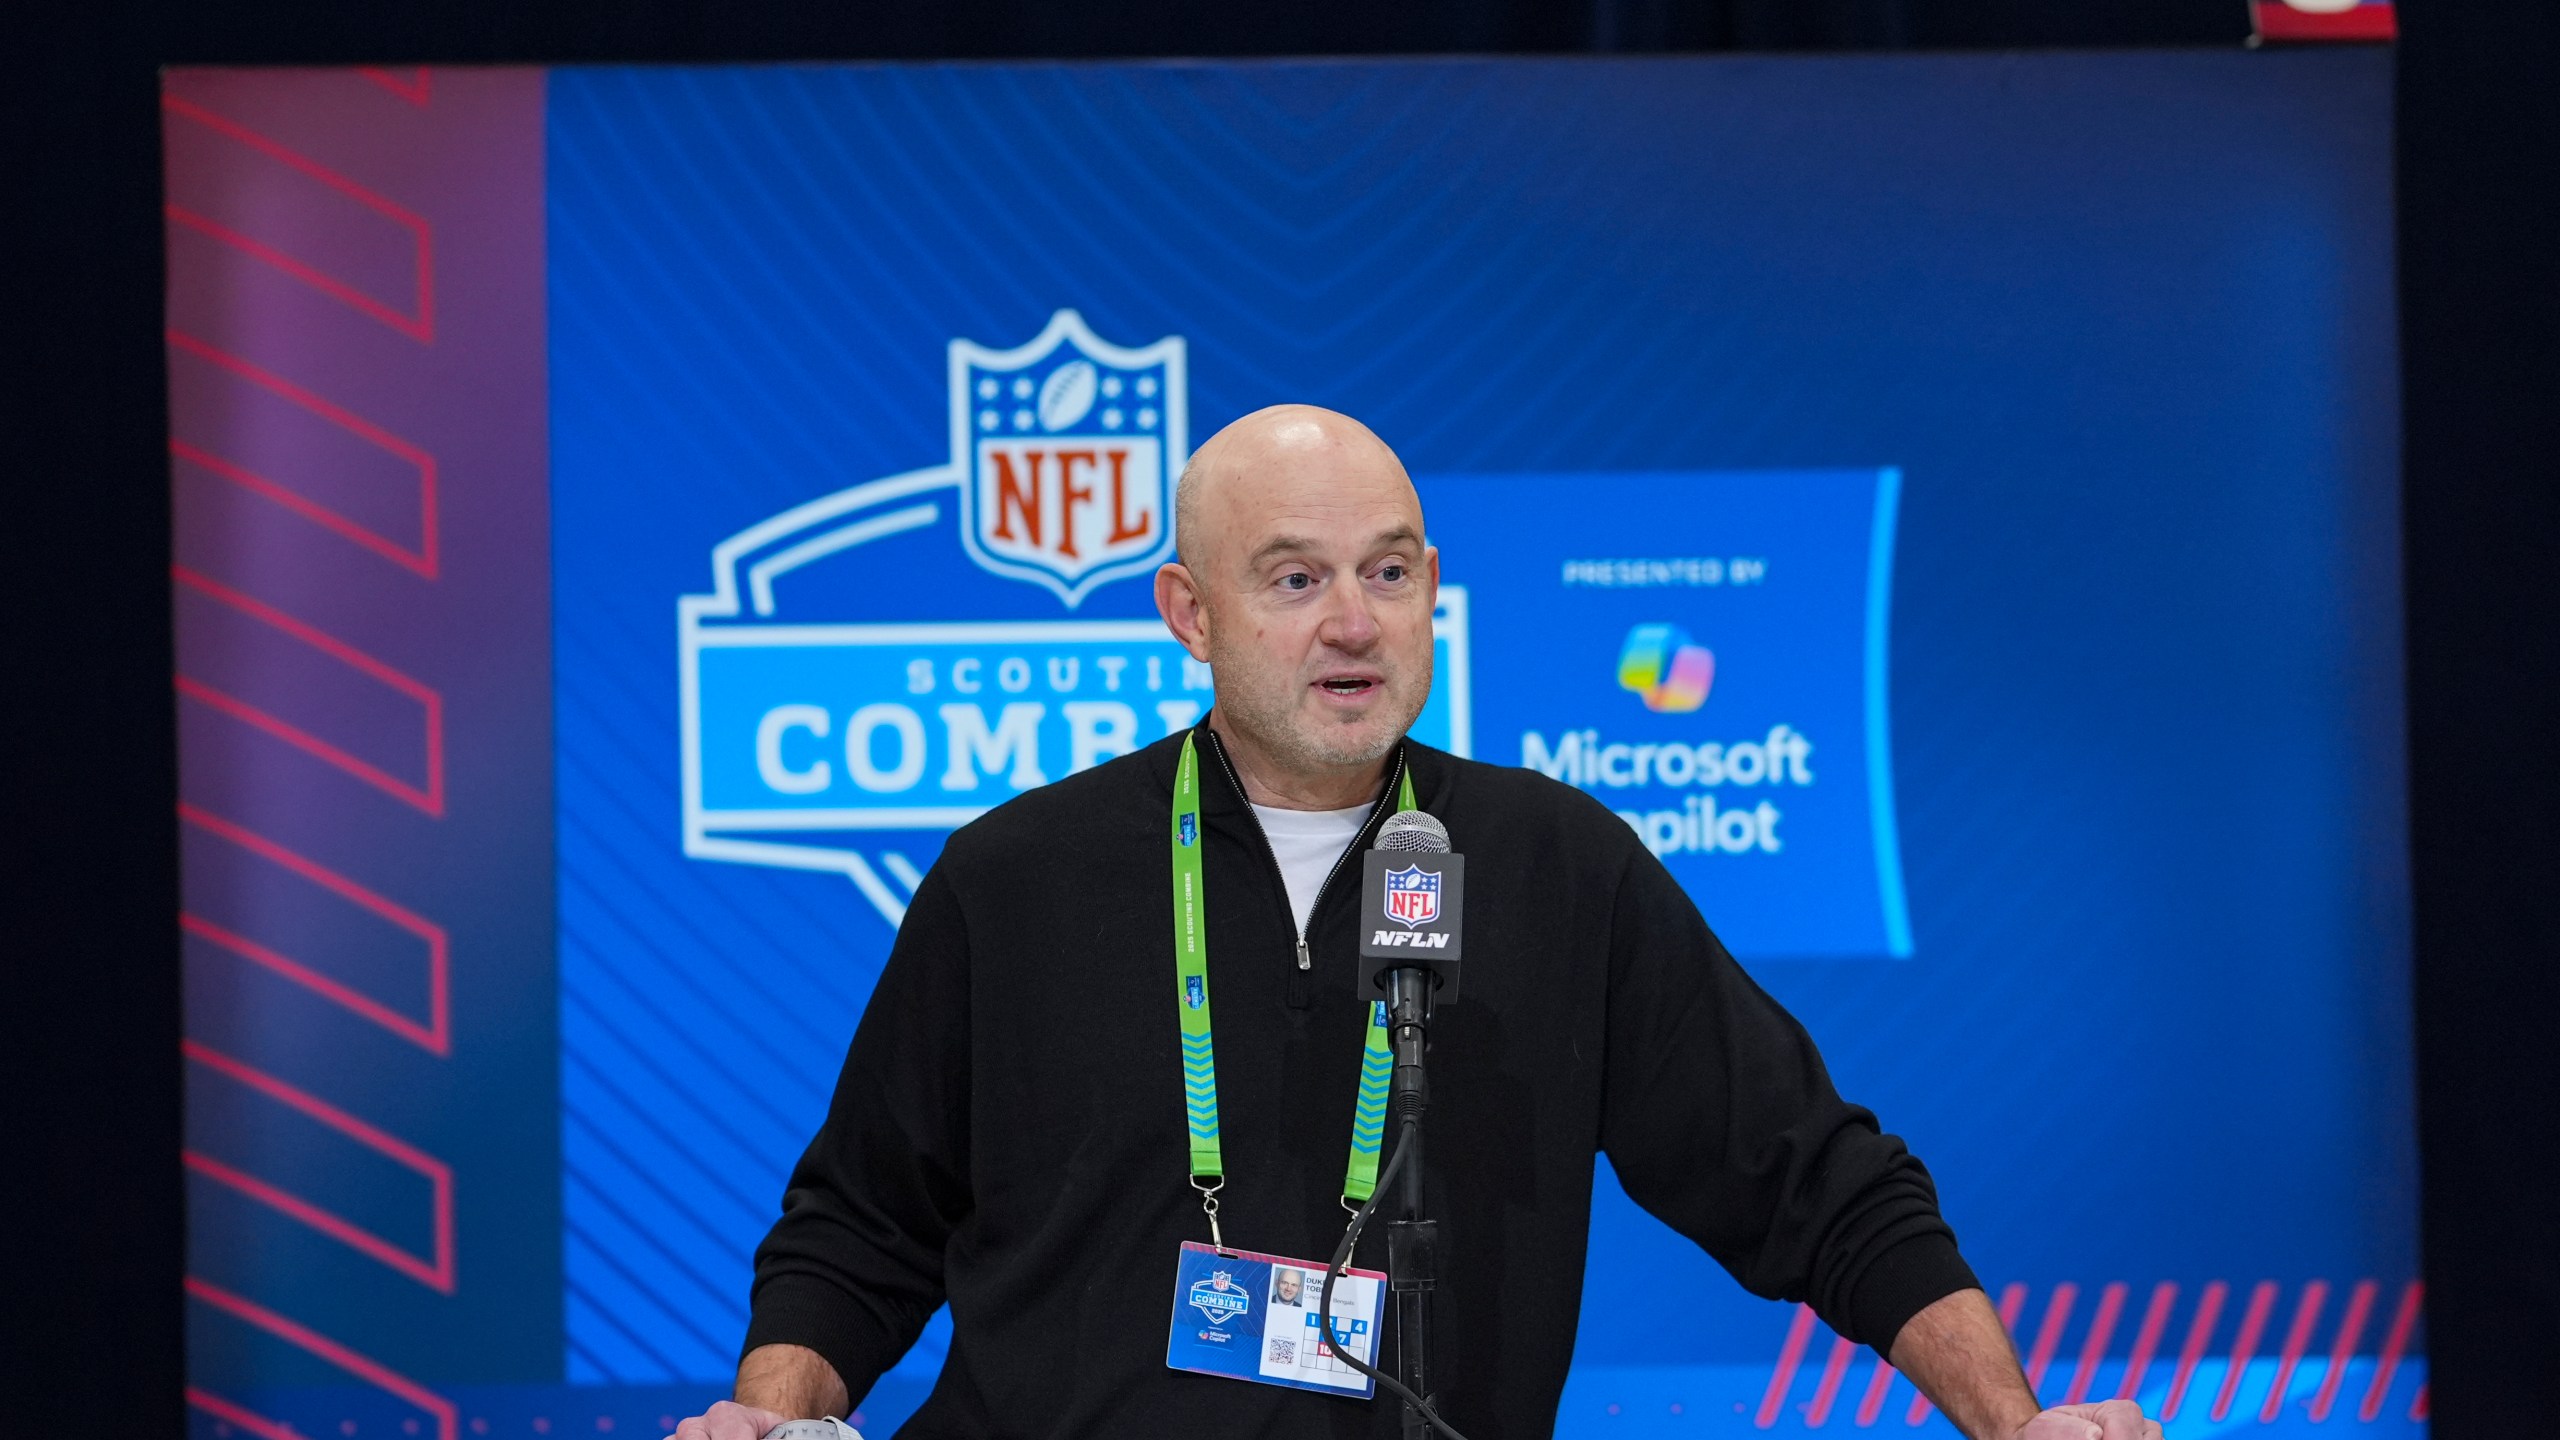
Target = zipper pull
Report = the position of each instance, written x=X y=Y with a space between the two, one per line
x=1303 y=962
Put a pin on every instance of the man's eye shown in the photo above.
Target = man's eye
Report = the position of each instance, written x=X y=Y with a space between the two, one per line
x=1391 y=573
x=1296 y=580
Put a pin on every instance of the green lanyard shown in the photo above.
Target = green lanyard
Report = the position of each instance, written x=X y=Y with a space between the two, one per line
x=1191 y=993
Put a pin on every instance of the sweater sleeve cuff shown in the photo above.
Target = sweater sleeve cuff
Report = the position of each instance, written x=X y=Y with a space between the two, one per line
x=1903 y=1281
x=806 y=1311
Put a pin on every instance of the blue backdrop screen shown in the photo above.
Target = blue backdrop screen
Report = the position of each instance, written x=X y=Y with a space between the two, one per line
x=1945 y=505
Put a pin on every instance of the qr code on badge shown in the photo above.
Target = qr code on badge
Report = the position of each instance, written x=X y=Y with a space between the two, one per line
x=1284 y=1352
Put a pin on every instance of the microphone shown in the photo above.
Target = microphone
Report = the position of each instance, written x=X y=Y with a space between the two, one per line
x=1412 y=890
x=1414 y=830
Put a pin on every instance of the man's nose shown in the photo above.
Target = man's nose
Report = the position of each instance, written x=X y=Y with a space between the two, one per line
x=1349 y=622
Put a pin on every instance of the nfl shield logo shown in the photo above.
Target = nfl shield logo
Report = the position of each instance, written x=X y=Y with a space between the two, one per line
x=1413 y=896
x=1067 y=448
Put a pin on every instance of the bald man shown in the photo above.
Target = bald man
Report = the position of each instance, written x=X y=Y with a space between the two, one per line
x=1006 y=1134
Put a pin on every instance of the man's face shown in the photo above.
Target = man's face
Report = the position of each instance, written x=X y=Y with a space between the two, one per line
x=1318 y=594
x=1288 y=1286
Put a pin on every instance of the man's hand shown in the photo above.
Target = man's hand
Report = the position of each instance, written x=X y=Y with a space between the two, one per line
x=730 y=1420
x=2112 y=1420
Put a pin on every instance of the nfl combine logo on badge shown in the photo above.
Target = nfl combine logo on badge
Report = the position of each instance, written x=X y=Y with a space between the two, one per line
x=1413 y=896
x=1220 y=1298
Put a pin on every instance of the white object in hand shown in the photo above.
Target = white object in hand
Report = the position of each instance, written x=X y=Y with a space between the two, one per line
x=830 y=1428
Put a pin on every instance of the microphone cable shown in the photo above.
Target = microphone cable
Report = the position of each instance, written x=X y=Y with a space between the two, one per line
x=1342 y=1262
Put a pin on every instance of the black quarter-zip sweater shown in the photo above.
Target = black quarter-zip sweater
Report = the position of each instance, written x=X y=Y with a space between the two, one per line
x=1008 y=1131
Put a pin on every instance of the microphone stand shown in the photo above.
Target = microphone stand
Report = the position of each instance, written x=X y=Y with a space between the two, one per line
x=1413 y=1242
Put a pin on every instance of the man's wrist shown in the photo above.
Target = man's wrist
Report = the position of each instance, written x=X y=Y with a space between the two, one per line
x=2010 y=1426
x=1958 y=1353
x=793 y=1381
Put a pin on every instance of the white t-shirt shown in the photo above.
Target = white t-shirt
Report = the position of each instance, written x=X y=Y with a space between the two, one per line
x=1307 y=843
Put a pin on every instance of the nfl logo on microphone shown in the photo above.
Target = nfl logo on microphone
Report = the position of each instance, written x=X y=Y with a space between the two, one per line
x=1412 y=896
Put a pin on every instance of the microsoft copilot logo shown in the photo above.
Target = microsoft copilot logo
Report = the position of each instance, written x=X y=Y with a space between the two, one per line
x=1666 y=669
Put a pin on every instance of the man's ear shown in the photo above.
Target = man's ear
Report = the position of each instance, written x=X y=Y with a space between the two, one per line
x=1179 y=601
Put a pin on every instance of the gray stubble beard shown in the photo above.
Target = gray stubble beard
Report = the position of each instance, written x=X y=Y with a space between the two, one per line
x=1274 y=732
